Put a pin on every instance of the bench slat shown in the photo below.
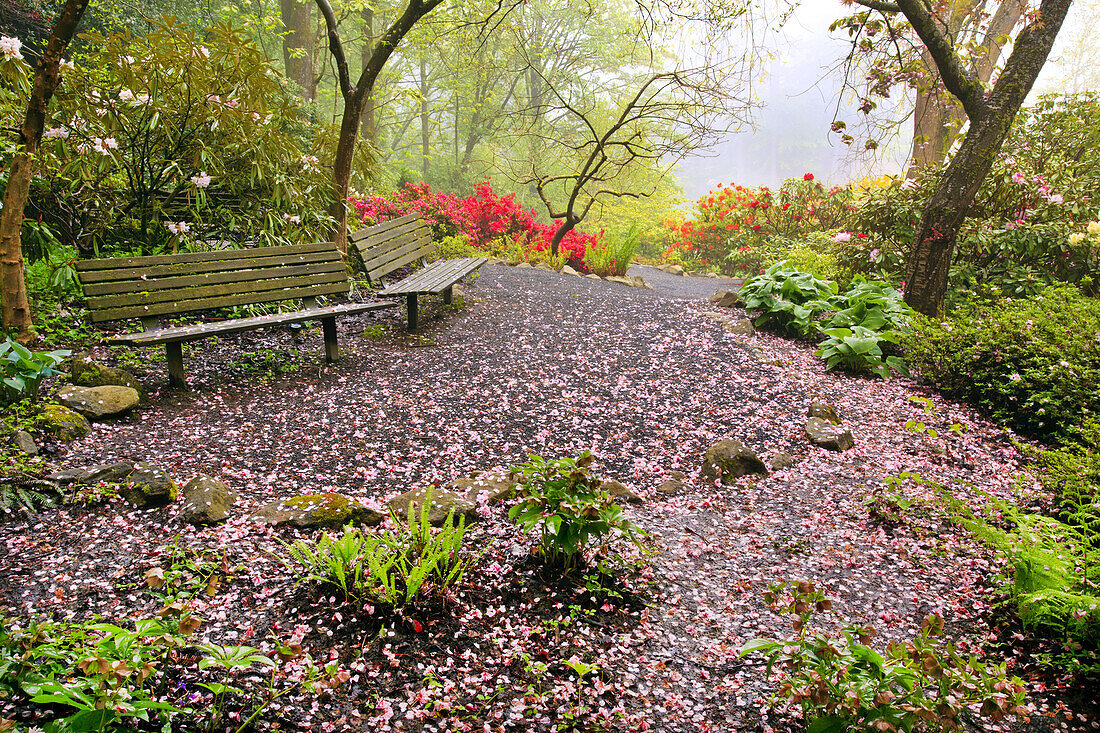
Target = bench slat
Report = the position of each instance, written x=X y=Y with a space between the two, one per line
x=184 y=306
x=204 y=330
x=421 y=247
x=389 y=250
x=226 y=255
x=184 y=268
x=382 y=226
x=405 y=259
x=165 y=283
x=108 y=302
x=373 y=240
x=432 y=279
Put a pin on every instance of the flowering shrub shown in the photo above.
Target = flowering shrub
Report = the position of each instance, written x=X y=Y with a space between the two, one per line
x=1033 y=364
x=1019 y=236
x=167 y=139
x=484 y=219
x=735 y=224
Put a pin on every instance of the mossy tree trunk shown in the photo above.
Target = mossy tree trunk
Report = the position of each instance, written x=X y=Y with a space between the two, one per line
x=15 y=309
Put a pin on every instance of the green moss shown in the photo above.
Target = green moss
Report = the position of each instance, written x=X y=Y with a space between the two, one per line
x=62 y=423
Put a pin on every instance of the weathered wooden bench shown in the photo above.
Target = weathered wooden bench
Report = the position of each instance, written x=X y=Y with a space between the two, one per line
x=150 y=287
x=391 y=245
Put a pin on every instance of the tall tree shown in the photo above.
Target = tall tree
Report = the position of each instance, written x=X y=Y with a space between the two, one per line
x=298 y=45
x=14 y=307
x=990 y=113
x=355 y=96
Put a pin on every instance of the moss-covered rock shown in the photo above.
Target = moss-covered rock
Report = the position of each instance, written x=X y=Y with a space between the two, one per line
x=62 y=423
x=728 y=460
x=442 y=503
x=87 y=372
x=148 y=486
x=97 y=402
x=206 y=501
x=317 y=510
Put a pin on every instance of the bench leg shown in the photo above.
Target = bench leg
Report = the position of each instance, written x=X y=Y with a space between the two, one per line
x=328 y=327
x=411 y=300
x=447 y=296
x=174 y=351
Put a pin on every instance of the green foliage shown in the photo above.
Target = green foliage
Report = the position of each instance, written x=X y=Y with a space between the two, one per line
x=99 y=675
x=568 y=508
x=613 y=255
x=859 y=349
x=841 y=683
x=396 y=568
x=22 y=370
x=1033 y=364
x=169 y=139
x=457 y=246
x=788 y=300
x=864 y=320
x=1054 y=576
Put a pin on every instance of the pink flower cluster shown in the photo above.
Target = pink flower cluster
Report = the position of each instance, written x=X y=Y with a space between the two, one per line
x=482 y=218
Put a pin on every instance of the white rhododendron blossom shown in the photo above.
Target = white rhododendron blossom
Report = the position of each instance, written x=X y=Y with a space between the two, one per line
x=104 y=146
x=10 y=47
x=126 y=96
x=842 y=237
x=202 y=180
x=56 y=132
x=178 y=227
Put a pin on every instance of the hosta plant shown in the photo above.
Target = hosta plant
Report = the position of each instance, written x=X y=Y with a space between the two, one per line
x=788 y=300
x=22 y=370
x=860 y=349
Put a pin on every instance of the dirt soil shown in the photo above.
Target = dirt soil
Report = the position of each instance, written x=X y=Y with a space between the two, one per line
x=538 y=362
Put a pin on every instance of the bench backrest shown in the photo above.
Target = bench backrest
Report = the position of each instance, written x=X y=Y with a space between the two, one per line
x=146 y=287
x=392 y=244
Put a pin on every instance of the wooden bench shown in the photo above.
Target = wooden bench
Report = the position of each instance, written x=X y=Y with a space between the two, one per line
x=150 y=287
x=391 y=245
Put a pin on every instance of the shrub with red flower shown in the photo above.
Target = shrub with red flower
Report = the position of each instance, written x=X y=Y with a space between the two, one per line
x=734 y=222
x=483 y=218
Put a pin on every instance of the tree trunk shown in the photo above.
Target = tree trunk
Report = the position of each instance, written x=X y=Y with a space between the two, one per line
x=943 y=215
x=567 y=225
x=370 y=124
x=14 y=307
x=355 y=96
x=298 y=38
x=425 y=123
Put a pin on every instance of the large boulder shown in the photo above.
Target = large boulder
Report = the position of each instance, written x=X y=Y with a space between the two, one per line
x=98 y=402
x=724 y=298
x=62 y=423
x=730 y=459
x=87 y=372
x=443 y=502
x=206 y=500
x=825 y=434
x=21 y=440
x=310 y=511
x=495 y=486
x=740 y=326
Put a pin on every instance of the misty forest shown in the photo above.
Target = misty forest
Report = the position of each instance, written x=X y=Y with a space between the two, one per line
x=549 y=365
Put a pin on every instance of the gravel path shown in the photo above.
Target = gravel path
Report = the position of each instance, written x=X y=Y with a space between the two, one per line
x=540 y=362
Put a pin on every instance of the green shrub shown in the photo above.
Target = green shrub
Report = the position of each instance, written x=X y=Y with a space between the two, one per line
x=859 y=349
x=841 y=683
x=568 y=508
x=457 y=246
x=396 y=568
x=1032 y=364
x=613 y=255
